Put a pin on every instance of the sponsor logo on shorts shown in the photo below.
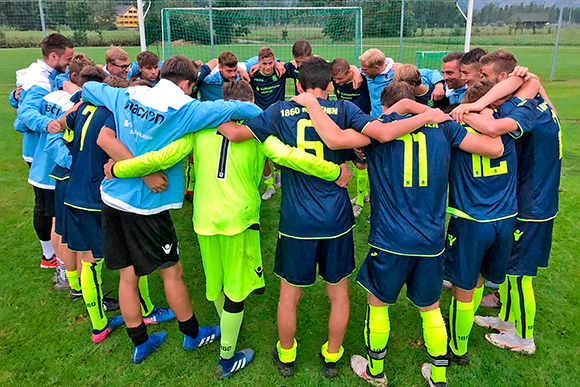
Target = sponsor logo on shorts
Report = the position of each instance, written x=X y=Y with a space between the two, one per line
x=167 y=248
x=259 y=271
x=374 y=254
x=518 y=234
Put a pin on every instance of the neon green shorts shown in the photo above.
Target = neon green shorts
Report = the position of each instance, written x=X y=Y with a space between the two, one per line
x=232 y=263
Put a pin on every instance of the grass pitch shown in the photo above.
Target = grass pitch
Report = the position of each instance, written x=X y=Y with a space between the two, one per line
x=45 y=338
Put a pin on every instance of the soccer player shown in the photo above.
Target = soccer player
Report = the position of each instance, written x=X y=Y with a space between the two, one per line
x=117 y=62
x=536 y=128
x=470 y=65
x=228 y=232
x=269 y=88
x=39 y=81
x=483 y=208
x=146 y=67
x=227 y=70
x=451 y=69
x=377 y=70
x=139 y=237
x=423 y=88
x=407 y=235
x=342 y=81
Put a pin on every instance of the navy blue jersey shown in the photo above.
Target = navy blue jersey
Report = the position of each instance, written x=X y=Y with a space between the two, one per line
x=86 y=171
x=408 y=179
x=539 y=149
x=360 y=97
x=268 y=89
x=292 y=73
x=204 y=71
x=483 y=189
x=311 y=208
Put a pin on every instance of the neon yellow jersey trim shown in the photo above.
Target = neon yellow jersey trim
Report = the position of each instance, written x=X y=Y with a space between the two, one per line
x=312 y=238
x=409 y=255
x=537 y=220
x=82 y=208
x=463 y=215
x=59 y=178
x=364 y=127
x=251 y=131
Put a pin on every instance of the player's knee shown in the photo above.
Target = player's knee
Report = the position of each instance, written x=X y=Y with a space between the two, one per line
x=232 y=306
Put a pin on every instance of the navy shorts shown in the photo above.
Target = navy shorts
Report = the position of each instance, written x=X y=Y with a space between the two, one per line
x=59 y=210
x=383 y=274
x=531 y=247
x=475 y=248
x=297 y=259
x=83 y=232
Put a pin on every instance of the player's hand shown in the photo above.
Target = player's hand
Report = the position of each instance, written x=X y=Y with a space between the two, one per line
x=520 y=71
x=344 y=177
x=280 y=69
x=436 y=116
x=438 y=92
x=53 y=127
x=460 y=111
x=357 y=78
x=359 y=152
x=304 y=99
x=254 y=69
x=17 y=92
x=157 y=181
x=243 y=74
x=199 y=63
x=108 y=168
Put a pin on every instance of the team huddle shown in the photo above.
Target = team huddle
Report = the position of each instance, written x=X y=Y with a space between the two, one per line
x=479 y=141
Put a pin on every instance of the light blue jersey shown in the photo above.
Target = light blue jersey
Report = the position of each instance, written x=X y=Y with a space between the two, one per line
x=455 y=95
x=37 y=80
x=148 y=119
x=210 y=88
x=53 y=106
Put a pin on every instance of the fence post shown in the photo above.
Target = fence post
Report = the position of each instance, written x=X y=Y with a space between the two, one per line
x=141 y=25
x=468 y=24
x=211 y=29
x=556 y=45
x=401 y=30
x=41 y=11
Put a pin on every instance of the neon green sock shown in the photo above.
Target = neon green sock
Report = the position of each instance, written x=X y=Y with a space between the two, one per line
x=362 y=180
x=524 y=303
x=376 y=333
x=506 y=313
x=146 y=303
x=73 y=280
x=477 y=296
x=460 y=324
x=287 y=355
x=331 y=357
x=435 y=336
x=92 y=293
x=219 y=304
x=230 y=324
x=269 y=181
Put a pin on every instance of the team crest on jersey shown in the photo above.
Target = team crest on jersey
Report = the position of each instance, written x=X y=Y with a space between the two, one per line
x=146 y=114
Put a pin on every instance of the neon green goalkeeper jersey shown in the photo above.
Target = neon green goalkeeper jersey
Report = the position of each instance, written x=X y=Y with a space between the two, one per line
x=227 y=175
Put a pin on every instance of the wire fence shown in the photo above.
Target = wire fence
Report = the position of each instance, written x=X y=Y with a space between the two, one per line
x=403 y=29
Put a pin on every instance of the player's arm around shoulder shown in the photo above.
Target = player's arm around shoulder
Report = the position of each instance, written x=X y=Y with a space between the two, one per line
x=100 y=94
x=391 y=130
x=480 y=144
x=490 y=126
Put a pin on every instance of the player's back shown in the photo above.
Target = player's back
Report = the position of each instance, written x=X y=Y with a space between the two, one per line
x=227 y=177
x=483 y=189
x=408 y=180
x=86 y=171
x=311 y=207
x=539 y=150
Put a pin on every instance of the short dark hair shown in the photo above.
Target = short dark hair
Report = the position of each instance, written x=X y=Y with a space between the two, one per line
x=473 y=56
x=301 y=49
x=147 y=58
x=477 y=90
x=115 y=81
x=409 y=74
x=238 y=91
x=92 y=73
x=179 y=68
x=314 y=74
x=79 y=62
x=502 y=60
x=265 y=52
x=455 y=55
x=339 y=66
x=228 y=58
x=395 y=92
x=55 y=43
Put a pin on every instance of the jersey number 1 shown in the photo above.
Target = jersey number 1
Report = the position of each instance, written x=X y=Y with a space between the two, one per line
x=408 y=141
x=223 y=157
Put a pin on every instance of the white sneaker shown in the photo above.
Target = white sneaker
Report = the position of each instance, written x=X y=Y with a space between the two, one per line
x=353 y=201
x=268 y=194
x=61 y=279
x=426 y=372
x=495 y=323
x=356 y=210
x=277 y=180
x=359 y=366
x=513 y=342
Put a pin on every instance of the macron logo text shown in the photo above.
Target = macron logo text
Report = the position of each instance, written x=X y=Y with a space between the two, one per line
x=144 y=113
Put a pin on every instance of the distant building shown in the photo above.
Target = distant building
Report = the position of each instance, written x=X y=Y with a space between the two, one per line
x=127 y=16
x=531 y=20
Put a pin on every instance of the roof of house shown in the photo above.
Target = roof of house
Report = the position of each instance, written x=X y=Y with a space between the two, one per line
x=121 y=9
